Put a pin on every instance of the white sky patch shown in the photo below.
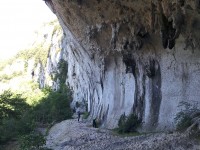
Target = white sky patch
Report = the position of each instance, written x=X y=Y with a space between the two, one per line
x=18 y=21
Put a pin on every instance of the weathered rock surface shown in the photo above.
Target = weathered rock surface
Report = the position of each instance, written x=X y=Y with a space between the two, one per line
x=119 y=63
x=74 y=135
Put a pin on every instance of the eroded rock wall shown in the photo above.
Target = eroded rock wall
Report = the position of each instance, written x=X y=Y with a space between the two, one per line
x=131 y=56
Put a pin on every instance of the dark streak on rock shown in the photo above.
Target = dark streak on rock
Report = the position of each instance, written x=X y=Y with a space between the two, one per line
x=156 y=96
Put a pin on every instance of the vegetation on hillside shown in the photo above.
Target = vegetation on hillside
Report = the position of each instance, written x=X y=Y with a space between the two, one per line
x=39 y=51
x=5 y=77
x=28 y=108
x=19 y=120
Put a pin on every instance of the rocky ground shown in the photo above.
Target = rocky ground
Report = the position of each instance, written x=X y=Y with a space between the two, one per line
x=74 y=135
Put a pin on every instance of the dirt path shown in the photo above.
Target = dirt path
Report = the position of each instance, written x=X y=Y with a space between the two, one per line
x=74 y=135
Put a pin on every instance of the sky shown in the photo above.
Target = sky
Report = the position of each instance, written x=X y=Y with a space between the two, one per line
x=18 y=21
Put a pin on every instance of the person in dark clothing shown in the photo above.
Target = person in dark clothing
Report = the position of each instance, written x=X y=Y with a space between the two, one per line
x=79 y=115
x=32 y=73
x=94 y=124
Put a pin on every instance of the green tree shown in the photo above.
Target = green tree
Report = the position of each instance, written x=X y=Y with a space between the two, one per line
x=12 y=105
x=55 y=107
x=12 y=109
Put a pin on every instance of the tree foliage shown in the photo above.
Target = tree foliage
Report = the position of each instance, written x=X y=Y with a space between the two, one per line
x=12 y=105
x=18 y=119
x=55 y=107
x=12 y=110
x=32 y=141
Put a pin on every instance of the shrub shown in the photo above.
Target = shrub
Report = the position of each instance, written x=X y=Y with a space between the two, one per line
x=184 y=122
x=86 y=115
x=128 y=124
x=32 y=141
x=7 y=130
x=12 y=110
x=26 y=124
x=185 y=117
x=11 y=128
x=17 y=118
x=5 y=78
x=121 y=123
x=12 y=105
x=55 y=107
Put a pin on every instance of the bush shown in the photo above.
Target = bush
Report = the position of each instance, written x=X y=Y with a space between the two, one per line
x=26 y=124
x=185 y=117
x=121 y=123
x=184 y=122
x=12 y=110
x=128 y=124
x=17 y=118
x=12 y=105
x=7 y=130
x=86 y=115
x=55 y=107
x=12 y=128
x=32 y=141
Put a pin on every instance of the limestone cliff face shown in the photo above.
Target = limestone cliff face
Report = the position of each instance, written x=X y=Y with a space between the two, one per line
x=49 y=39
x=127 y=56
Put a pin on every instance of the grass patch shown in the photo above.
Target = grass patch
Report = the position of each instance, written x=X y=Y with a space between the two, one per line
x=130 y=134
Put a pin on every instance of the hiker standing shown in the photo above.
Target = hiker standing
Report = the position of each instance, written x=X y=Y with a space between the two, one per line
x=79 y=115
